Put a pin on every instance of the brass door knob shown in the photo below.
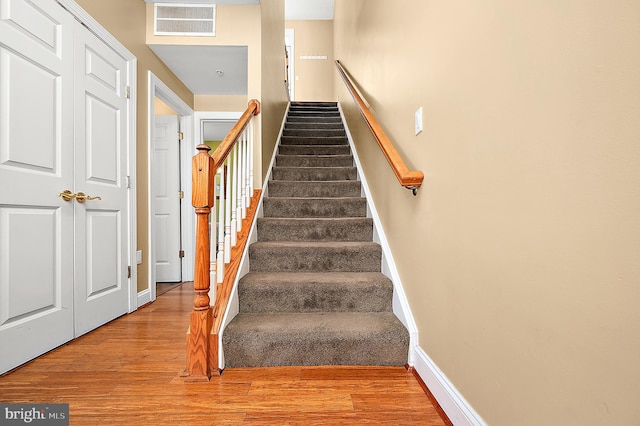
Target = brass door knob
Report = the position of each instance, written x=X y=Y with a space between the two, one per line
x=81 y=197
x=67 y=195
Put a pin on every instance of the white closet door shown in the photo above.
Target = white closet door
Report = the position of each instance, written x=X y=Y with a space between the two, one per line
x=101 y=224
x=36 y=163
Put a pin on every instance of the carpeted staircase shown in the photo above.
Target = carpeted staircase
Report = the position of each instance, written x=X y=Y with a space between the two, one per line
x=315 y=294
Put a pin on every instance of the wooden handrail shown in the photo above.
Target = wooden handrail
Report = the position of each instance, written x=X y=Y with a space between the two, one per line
x=222 y=152
x=410 y=179
x=201 y=354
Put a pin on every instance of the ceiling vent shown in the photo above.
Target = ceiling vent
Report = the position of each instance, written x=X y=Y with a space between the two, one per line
x=185 y=19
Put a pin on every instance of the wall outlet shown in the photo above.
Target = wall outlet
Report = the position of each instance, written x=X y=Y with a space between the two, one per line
x=418 y=121
x=139 y=257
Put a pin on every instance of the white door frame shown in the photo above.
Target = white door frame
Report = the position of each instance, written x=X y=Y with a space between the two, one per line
x=132 y=64
x=187 y=150
x=290 y=37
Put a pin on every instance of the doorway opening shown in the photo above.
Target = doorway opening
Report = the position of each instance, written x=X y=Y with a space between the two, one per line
x=170 y=226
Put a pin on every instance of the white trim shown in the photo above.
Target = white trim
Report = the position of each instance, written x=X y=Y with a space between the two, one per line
x=401 y=306
x=95 y=27
x=158 y=88
x=144 y=297
x=132 y=64
x=459 y=411
x=291 y=77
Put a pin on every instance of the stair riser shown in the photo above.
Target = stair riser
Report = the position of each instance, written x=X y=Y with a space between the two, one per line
x=310 y=297
x=320 y=108
x=315 y=133
x=324 y=207
x=349 y=229
x=311 y=150
x=310 y=104
x=314 y=161
x=358 y=258
x=313 y=126
x=314 y=189
x=328 y=352
x=314 y=173
x=309 y=114
x=329 y=140
x=318 y=119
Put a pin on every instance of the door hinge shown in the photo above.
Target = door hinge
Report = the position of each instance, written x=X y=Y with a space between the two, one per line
x=181 y=254
x=180 y=136
x=181 y=195
x=128 y=182
x=127 y=92
x=128 y=271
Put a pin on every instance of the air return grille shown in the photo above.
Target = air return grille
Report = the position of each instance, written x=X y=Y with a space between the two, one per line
x=185 y=19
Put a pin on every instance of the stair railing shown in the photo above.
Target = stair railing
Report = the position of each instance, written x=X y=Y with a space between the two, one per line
x=224 y=178
x=410 y=179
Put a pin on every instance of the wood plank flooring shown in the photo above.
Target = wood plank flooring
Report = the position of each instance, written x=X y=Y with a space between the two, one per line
x=128 y=373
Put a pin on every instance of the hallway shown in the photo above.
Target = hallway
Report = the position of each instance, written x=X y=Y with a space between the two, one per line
x=128 y=372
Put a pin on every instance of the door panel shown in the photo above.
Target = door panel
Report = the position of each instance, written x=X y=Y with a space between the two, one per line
x=101 y=249
x=36 y=163
x=166 y=185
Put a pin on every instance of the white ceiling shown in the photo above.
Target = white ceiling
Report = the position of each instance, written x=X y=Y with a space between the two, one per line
x=207 y=70
x=295 y=10
x=196 y=66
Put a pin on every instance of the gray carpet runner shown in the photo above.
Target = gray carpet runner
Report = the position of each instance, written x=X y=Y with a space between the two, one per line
x=315 y=294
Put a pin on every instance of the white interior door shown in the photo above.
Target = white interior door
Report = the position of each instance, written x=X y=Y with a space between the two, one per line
x=36 y=163
x=166 y=184
x=64 y=122
x=101 y=234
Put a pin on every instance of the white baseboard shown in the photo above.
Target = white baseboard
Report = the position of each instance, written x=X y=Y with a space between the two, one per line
x=451 y=401
x=144 y=297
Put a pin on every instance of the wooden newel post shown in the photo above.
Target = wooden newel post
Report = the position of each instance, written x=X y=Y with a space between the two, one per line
x=198 y=359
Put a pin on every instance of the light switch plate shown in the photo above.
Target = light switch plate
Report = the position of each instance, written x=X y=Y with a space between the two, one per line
x=418 y=121
x=139 y=257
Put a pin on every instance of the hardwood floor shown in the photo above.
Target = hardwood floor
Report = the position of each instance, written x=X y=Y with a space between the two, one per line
x=128 y=373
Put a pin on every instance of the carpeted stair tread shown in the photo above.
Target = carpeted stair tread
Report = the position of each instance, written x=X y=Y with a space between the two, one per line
x=314 y=140
x=313 y=126
x=314 y=160
x=314 y=207
x=329 y=338
x=314 y=173
x=315 y=229
x=317 y=133
x=314 y=256
x=278 y=292
x=314 y=150
x=315 y=119
x=315 y=189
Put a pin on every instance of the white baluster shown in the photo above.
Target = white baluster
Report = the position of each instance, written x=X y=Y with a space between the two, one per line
x=245 y=174
x=240 y=185
x=221 y=220
x=228 y=203
x=212 y=258
x=250 y=163
x=234 y=195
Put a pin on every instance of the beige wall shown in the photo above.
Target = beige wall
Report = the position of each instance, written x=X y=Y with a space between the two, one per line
x=521 y=253
x=314 y=76
x=126 y=20
x=274 y=94
x=235 y=26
